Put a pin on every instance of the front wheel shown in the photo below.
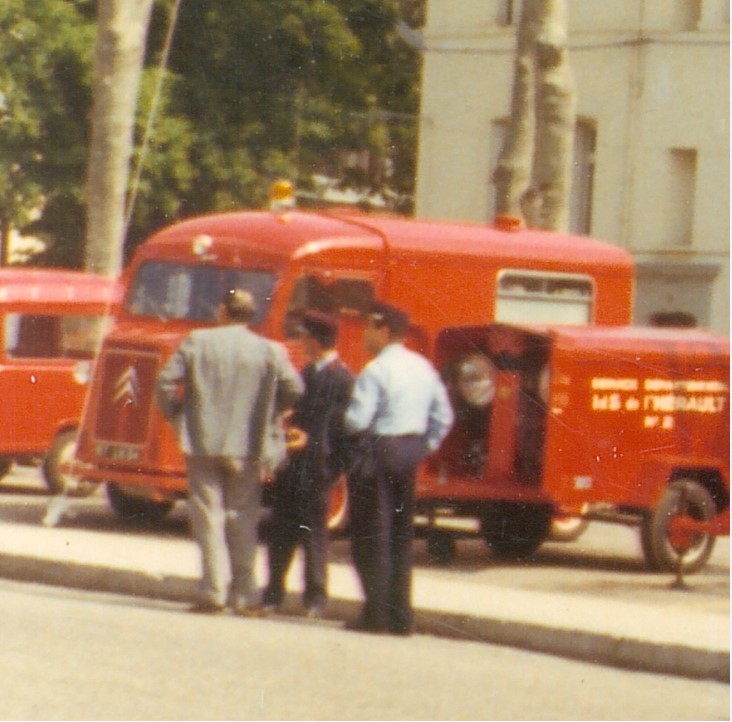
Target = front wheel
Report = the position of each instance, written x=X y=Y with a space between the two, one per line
x=61 y=452
x=136 y=509
x=515 y=530
x=681 y=497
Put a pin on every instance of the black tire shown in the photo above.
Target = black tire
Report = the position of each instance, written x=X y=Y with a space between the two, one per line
x=657 y=548
x=515 y=530
x=62 y=450
x=441 y=547
x=6 y=464
x=136 y=509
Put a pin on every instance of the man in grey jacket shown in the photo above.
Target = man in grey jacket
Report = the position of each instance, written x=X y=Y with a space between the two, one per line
x=225 y=389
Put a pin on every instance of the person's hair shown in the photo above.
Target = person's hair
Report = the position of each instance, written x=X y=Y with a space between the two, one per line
x=396 y=320
x=239 y=304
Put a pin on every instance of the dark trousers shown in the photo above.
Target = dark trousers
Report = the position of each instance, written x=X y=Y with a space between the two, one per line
x=299 y=517
x=381 y=502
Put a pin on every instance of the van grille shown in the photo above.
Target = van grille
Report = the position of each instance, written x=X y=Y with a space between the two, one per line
x=126 y=397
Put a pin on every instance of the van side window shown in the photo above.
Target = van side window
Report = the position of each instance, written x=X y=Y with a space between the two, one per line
x=52 y=336
x=339 y=296
x=544 y=297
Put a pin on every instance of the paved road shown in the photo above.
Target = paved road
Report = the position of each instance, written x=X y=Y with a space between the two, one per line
x=592 y=600
x=80 y=655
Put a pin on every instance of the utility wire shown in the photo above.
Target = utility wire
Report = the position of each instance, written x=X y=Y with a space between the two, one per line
x=137 y=175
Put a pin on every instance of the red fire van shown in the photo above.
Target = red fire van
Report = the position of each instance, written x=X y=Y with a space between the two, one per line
x=51 y=323
x=442 y=273
x=630 y=423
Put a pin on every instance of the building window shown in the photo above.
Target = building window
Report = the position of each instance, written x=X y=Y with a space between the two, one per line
x=678 y=217
x=583 y=177
x=582 y=172
x=673 y=319
x=509 y=12
x=687 y=14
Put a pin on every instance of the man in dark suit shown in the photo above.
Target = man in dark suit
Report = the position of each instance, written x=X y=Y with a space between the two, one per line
x=301 y=489
x=224 y=389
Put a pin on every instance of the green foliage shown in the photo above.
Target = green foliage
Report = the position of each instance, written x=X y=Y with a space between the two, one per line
x=253 y=91
x=45 y=55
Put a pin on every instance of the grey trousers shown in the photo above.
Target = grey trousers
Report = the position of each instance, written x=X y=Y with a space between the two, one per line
x=224 y=502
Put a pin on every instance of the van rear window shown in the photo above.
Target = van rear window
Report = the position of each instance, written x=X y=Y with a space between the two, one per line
x=544 y=297
x=170 y=291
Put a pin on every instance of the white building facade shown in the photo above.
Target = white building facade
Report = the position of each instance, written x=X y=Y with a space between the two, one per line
x=651 y=160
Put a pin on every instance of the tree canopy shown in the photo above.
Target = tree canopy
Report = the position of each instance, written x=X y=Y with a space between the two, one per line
x=252 y=91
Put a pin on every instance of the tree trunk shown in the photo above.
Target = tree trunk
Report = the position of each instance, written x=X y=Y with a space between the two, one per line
x=533 y=172
x=514 y=163
x=119 y=55
x=555 y=117
x=6 y=231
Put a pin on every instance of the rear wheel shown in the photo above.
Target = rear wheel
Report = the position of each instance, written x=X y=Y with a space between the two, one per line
x=681 y=497
x=61 y=452
x=441 y=547
x=515 y=530
x=136 y=509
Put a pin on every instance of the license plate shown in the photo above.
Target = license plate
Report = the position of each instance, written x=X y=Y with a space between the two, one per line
x=117 y=453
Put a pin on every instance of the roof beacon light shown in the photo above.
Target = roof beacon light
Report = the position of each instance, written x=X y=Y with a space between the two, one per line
x=281 y=196
x=202 y=244
x=508 y=223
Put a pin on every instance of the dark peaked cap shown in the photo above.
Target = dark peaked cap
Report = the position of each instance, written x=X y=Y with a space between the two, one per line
x=321 y=326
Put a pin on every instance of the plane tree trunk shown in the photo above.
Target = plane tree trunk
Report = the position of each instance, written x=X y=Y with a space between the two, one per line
x=119 y=55
x=533 y=172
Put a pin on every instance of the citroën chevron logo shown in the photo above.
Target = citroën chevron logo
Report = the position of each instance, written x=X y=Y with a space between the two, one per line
x=127 y=387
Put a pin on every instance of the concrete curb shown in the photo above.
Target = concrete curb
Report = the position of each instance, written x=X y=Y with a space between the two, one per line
x=595 y=647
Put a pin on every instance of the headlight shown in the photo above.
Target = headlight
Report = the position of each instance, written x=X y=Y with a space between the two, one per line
x=544 y=384
x=82 y=372
x=475 y=380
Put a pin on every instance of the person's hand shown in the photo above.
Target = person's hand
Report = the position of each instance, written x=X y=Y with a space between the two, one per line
x=295 y=439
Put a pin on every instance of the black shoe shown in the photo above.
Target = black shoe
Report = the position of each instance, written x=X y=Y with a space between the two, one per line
x=254 y=611
x=402 y=630
x=362 y=625
x=206 y=608
x=315 y=611
x=271 y=601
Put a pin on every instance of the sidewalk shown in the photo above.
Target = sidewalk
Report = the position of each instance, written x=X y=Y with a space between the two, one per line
x=690 y=641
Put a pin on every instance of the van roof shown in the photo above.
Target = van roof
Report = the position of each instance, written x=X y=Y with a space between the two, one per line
x=286 y=234
x=630 y=340
x=47 y=285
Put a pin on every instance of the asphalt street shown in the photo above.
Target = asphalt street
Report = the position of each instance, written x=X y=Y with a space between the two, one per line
x=592 y=599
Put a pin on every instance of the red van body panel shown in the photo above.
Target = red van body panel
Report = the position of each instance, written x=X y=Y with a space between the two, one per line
x=43 y=387
x=587 y=415
x=443 y=274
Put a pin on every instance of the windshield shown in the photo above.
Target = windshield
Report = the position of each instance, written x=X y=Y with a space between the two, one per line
x=179 y=291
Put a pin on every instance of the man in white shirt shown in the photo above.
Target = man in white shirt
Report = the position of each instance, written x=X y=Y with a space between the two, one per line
x=399 y=413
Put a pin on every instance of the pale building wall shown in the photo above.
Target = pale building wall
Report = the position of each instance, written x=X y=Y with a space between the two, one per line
x=652 y=79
